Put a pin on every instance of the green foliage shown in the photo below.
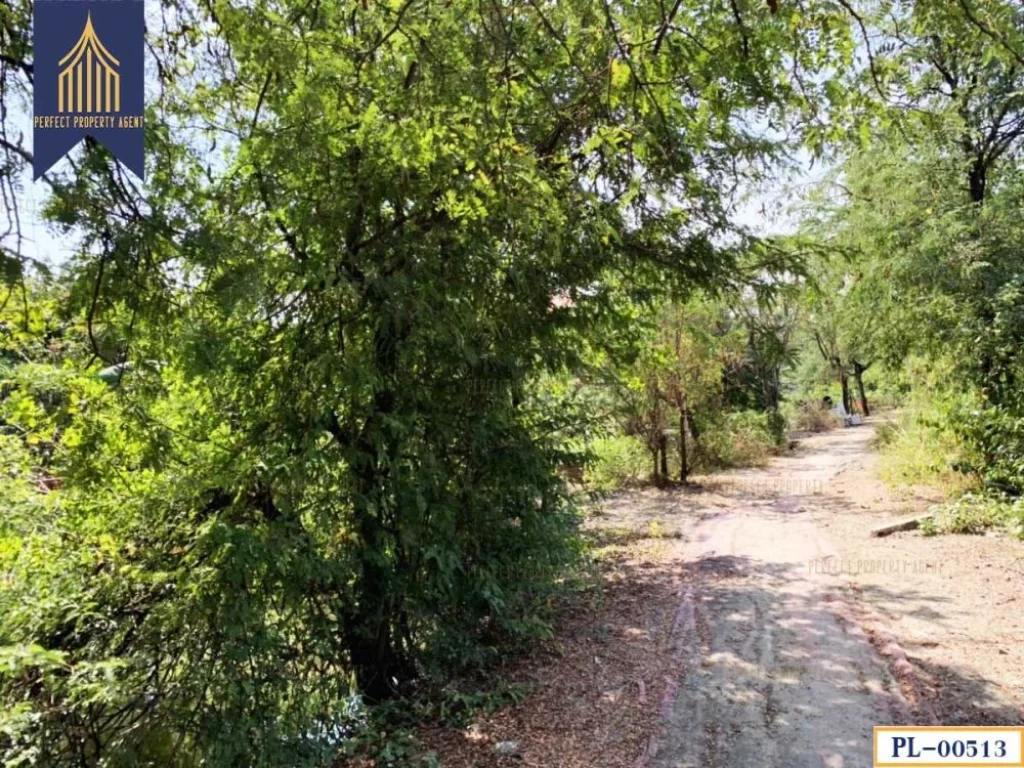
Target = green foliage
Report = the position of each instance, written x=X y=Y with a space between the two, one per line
x=739 y=439
x=328 y=466
x=705 y=389
x=978 y=513
x=920 y=444
x=675 y=387
x=921 y=265
x=289 y=433
x=955 y=268
x=618 y=461
x=135 y=582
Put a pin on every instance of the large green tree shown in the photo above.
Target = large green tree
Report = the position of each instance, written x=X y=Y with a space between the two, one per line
x=321 y=452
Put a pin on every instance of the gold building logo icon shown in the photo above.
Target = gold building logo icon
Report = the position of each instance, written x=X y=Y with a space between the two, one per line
x=90 y=82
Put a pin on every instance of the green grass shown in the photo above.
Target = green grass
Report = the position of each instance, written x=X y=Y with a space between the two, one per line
x=918 y=451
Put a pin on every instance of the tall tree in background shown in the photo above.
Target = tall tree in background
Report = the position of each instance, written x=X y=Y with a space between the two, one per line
x=769 y=314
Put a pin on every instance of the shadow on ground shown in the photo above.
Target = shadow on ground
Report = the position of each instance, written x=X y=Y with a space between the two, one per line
x=747 y=675
x=690 y=659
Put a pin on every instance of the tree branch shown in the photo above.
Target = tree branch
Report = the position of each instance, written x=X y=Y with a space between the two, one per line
x=987 y=30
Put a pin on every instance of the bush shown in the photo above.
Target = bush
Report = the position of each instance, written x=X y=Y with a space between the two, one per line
x=977 y=513
x=995 y=437
x=752 y=436
x=617 y=462
x=813 y=416
x=920 y=448
x=739 y=439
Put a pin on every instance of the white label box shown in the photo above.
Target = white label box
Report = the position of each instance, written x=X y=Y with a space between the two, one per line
x=943 y=747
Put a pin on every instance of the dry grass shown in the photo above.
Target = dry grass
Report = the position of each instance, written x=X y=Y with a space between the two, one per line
x=596 y=691
x=813 y=416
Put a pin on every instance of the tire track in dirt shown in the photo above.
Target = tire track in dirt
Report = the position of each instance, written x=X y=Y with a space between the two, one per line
x=772 y=670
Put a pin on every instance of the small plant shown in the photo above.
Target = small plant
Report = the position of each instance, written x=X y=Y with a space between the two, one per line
x=458 y=708
x=978 y=513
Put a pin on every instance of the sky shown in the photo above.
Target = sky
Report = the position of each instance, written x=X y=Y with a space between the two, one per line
x=42 y=241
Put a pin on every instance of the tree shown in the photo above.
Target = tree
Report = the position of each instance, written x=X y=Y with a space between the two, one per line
x=949 y=72
x=769 y=315
x=921 y=271
x=700 y=346
x=841 y=325
x=353 y=215
x=676 y=382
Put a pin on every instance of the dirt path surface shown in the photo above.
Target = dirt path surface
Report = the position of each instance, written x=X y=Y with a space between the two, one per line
x=777 y=673
x=751 y=621
x=954 y=603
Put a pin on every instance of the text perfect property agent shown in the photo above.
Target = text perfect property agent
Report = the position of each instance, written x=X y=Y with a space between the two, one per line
x=88 y=121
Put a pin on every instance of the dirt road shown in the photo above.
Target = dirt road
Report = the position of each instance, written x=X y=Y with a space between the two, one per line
x=776 y=672
x=749 y=620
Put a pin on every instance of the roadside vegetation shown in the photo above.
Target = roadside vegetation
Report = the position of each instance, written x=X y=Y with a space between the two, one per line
x=703 y=391
x=305 y=428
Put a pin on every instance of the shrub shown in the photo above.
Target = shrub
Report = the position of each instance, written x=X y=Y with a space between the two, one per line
x=977 y=513
x=995 y=438
x=617 y=462
x=813 y=416
x=752 y=437
x=920 y=447
x=738 y=439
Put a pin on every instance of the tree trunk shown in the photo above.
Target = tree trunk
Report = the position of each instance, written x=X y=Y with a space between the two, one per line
x=663 y=448
x=684 y=466
x=977 y=180
x=373 y=641
x=373 y=654
x=858 y=375
x=373 y=650
x=844 y=382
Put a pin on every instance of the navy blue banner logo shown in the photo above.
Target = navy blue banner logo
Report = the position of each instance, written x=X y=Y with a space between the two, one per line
x=89 y=79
